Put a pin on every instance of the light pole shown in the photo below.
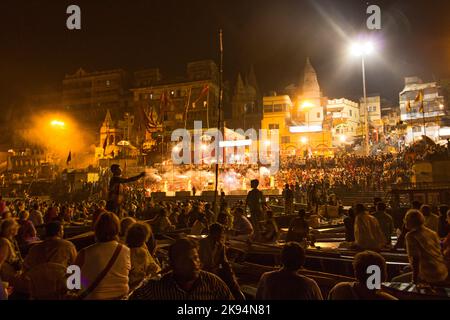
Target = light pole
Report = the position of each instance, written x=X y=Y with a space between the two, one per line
x=362 y=50
x=306 y=106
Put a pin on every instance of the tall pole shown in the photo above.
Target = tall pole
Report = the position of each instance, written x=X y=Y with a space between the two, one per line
x=219 y=125
x=366 y=112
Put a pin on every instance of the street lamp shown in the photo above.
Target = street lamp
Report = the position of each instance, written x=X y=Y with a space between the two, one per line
x=306 y=106
x=362 y=50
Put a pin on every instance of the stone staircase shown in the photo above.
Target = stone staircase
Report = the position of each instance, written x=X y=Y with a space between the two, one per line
x=349 y=198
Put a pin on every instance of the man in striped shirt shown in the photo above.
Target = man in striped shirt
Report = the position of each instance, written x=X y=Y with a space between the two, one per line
x=186 y=281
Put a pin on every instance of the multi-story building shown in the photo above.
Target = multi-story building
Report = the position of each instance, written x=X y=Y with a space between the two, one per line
x=177 y=103
x=88 y=95
x=345 y=119
x=374 y=111
x=276 y=116
x=432 y=122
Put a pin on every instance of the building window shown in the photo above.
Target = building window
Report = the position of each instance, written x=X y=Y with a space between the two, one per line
x=277 y=107
x=274 y=126
x=417 y=129
x=286 y=139
x=268 y=108
x=108 y=83
x=318 y=115
x=350 y=112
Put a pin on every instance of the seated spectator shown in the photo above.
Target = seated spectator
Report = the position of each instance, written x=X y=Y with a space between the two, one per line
x=27 y=232
x=368 y=234
x=161 y=222
x=36 y=216
x=286 y=283
x=431 y=220
x=443 y=225
x=51 y=214
x=186 y=281
x=105 y=265
x=225 y=219
x=10 y=257
x=65 y=215
x=210 y=215
x=182 y=222
x=424 y=252
x=385 y=221
x=98 y=211
x=213 y=258
x=270 y=231
x=298 y=228
x=125 y=223
x=358 y=290
x=349 y=224
x=446 y=245
x=3 y=291
x=200 y=225
x=242 y=227
x=193 y=215
x=142 y=263
x=53 y=249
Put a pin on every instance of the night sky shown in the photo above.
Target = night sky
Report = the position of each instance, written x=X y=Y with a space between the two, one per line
x=36 y=49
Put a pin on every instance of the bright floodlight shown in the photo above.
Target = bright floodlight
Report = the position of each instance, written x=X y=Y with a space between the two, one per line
x=362 y=49
x=176 y=148
x=307 y=104
x=203 y=147
x=304 y=140
x=57 y=123
x=342 y=138
x=267 y=142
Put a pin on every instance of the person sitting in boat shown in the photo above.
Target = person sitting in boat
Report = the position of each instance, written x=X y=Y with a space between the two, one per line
x=200 y=225
x=270 y=232
x=358 y=290
x=424 y=253
x=298 y=228
x=446 y=244
x=286 y=283
x=242 y=227
x=213 y=258
x=349 y=225
x=368 y=233
x=161 y=222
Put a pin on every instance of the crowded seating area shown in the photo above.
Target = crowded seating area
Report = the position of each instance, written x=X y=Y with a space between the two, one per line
x=152 y=249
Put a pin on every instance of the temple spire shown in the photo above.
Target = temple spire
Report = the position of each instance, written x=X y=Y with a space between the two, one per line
x=310 y=83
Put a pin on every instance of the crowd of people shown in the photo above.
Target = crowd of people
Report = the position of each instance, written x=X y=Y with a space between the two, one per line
x=124 y=262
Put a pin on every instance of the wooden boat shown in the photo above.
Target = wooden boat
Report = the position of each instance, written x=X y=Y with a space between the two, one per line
x=323 y=257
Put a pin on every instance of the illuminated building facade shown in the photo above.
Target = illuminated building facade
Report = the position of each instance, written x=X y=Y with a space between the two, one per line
x=177 y=103
x=300 y=117
x=433 y=121
x=345 y=120
x=88 y=95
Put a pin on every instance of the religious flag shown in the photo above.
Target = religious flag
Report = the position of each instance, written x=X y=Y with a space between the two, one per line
x=408 y=106
x=69 y=158
x=105 y=144
x=202 y=93
x=419 y=96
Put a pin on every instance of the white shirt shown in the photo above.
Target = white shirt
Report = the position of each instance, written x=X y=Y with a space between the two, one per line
x=115 y=283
